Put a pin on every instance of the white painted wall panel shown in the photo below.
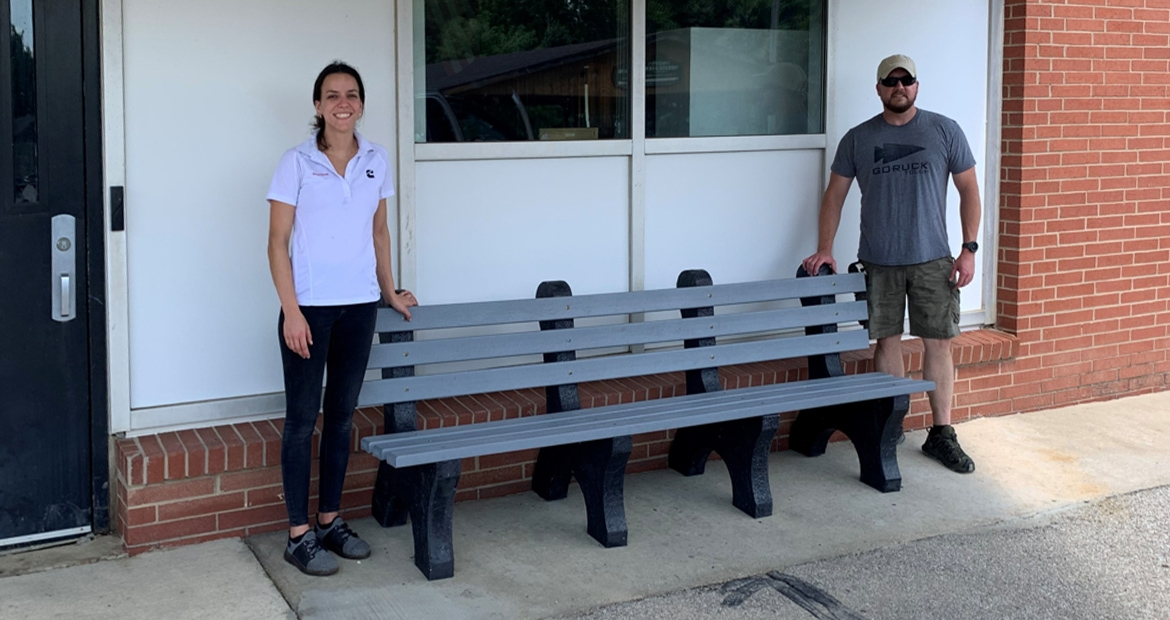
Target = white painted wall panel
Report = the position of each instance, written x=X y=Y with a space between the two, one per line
x=949 y=43
x=215 y=91
x=495 y=229
x=741 y=216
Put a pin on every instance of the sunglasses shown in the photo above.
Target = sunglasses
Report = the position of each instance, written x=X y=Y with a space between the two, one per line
x=906 y=80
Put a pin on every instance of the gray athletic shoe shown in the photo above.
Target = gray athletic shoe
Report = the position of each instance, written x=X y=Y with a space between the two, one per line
x=341 y=540
x=309 y=557
x=943 y=445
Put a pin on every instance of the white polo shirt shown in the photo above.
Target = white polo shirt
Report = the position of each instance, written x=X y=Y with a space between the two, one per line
x=332 y=247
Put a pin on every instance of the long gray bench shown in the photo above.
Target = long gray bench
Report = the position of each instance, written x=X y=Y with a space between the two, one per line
x=420 y=469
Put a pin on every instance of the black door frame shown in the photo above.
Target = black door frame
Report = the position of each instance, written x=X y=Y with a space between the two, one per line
x=95 y=265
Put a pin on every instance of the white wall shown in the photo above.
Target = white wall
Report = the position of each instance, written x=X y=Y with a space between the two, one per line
x=495 y=229
x=741 y=216
x=949 y=44
x=215 y=91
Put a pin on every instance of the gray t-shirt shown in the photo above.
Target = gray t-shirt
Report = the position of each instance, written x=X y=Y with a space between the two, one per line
x=902 y=172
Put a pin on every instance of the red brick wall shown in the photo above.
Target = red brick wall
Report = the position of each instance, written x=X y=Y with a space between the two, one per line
x=1084 y=214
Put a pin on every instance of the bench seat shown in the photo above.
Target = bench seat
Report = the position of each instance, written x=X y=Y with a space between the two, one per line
x=458 y=442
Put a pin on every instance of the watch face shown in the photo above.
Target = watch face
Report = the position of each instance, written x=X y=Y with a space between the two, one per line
x=972 y=246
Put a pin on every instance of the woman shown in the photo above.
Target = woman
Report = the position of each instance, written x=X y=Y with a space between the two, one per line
x=328 y=198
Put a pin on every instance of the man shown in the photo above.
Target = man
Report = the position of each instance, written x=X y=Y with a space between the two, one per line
x=901 y=159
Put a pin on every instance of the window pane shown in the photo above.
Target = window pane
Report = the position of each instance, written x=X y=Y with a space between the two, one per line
x=505 y=70
x=24 y=102
x=734 y=68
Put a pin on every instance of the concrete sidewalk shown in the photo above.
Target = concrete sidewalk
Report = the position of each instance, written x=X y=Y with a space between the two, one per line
x=520 y=557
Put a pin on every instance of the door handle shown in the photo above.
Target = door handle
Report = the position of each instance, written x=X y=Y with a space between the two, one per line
x=66 y=295
x=64 y=284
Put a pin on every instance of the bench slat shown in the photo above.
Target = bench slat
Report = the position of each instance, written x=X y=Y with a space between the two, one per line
x=728 y=398
x=607 y=304
x=386 y=391
x=601 y=336
x=623 y=423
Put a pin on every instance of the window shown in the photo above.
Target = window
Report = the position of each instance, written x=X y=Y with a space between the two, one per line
x=24 y=101
x=515 y=70
x=510 y=70
x=734 y=68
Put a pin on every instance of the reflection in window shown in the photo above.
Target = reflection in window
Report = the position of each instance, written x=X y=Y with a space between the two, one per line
x=505 y=70
x=734 y=68
x=24 y=101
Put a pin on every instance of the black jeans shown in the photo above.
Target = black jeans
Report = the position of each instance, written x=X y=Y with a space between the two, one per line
x=342 y=336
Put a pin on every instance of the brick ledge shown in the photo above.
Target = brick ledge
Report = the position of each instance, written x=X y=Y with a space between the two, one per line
x=192 y=485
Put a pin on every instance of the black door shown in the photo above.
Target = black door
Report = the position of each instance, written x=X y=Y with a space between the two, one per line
x=45 y=442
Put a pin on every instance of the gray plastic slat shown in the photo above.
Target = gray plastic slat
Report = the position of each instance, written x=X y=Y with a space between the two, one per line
x=386 y=391
x=607 y=304
x=730 y=397
x=567 y=424
x=600 y=336
x=564 y=422
x=509 y=425
x=620 y=425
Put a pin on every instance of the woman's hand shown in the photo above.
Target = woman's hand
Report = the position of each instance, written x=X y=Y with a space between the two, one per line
x=401 y=301
x=296 y=334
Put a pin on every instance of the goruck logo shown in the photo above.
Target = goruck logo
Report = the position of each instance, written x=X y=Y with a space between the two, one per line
x=887 y=153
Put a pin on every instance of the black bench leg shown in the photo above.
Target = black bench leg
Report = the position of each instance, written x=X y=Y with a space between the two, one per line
x=744 y=446
x=875 y=436
x=871 y=425
x=554 y=469
x=601 y=472
x=390 y=508
x=691 y=448
x=431 y=506
x=811 y=431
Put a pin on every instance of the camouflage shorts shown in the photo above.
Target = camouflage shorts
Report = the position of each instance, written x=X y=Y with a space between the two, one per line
x=934 y=301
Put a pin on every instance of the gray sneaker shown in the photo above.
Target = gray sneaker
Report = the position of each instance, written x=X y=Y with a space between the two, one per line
x=309 y=557
x=943 y=446
x=341 y=540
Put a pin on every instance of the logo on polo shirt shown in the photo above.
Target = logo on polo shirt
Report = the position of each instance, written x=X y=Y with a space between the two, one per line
x=369 y=174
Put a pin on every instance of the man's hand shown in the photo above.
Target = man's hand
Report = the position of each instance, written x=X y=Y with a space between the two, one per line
x=964 y=270
x=297 y=335
x=401 y=302
x=827 y=221
x=812 y=264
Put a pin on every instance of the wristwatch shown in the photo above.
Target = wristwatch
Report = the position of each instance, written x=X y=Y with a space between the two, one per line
x=971 y=246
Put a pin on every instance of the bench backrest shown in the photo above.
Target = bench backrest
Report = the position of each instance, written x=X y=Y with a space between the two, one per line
x=759 y=329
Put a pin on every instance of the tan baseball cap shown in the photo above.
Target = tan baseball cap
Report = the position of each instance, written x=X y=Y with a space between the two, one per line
x=897 y=61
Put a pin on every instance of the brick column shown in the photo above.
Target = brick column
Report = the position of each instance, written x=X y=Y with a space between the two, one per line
x=1084 y=233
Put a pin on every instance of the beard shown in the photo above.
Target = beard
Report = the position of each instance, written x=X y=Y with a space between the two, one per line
x=897 y=108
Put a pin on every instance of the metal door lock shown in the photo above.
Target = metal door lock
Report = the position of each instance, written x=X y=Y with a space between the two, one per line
x=64 y=291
